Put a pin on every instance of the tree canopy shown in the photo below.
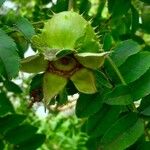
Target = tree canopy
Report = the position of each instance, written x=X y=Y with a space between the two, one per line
x=87 y=63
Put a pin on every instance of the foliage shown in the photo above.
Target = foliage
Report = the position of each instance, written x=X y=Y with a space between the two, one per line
x=115 y=115
x=63 y=132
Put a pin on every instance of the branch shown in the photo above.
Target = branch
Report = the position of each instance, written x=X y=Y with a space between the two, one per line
x=70 y=5
x=132 y=106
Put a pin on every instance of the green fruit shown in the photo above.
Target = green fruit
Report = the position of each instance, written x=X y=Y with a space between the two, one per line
x=84 y=81
x=66 y=30
x=52 y=85
x=34 y=64
x=70 y=51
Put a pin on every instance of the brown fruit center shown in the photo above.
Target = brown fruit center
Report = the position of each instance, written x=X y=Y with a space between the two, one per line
x=65 y=66
x=65 y=61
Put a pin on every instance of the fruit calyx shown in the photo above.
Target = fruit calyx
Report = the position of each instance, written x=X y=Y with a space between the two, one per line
x=65 y=66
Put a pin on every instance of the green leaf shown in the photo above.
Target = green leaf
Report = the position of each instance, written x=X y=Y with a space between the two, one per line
x=8 y=55
x=10 y=121
x=110 y=5
x=145 y=16
x=62 y=97
x=21 y=43
x=36 y=85
x=71 y=89
x=25 y=27
x=33 y=143
x=135 y=66
x=98 y=16
x=120 y=28
x=123 y=133
x=88 y=104
x=20 y=134
x=135 y=19
x=100 y=122
x=84 y=6
x=146 y=111
x=124 y=50
x=144 y=104
x=12 y=87
x=45 y=2
x=144 y=107
x=119 y=96
x=107 y=42
x=52 y=85
x=62 y=5
x=1 y=145
x=34 y=64
x=1 y=79
x=82 y=78
x=1 y=2
x=37 y=82
x=118 y=8
x=145 y=1
x=92 y=144
x=91 y=60
x=141 y=87
x=2 y=68
x=144 y=146
x=5 y=105
x=101 y=79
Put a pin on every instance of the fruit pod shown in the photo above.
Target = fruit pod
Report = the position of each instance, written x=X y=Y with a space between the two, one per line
x=34 y=64
x=91 y=60
x=84 y=81
x=52 y=85
x=66 y=30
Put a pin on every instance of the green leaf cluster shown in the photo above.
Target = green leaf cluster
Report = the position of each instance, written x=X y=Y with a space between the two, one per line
x=16 y=133
x=114 y=95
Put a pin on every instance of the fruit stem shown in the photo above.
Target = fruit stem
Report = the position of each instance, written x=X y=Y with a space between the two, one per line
x=116 y=70
x=132 y=106
x=70 y=5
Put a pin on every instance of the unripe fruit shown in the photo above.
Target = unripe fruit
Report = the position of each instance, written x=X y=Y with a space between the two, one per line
x=70 y=46
x=66 y=30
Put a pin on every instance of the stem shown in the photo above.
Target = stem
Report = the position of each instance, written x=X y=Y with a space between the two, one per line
x=70 y=5
x=116 y=70
x=38 y=22
x=132 y=106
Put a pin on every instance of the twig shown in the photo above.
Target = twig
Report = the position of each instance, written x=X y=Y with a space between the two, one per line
x=70 y=5
x=132 y=106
